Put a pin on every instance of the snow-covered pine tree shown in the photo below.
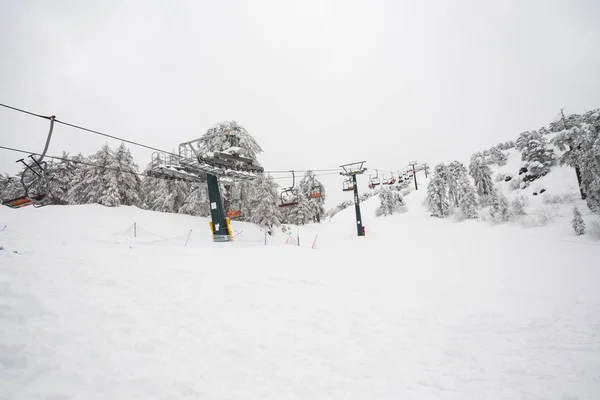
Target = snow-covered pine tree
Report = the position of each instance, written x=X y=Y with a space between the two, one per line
x=499 y=207
x=580 y=141
x=467 y=198
x=96 y=182
x=537 y=155
x=310 y=185
x=518 y=205
x=524 y=139
x=453 y=174
x=482 y=175
x=126 y=174
x=265 y=210
x=497 y=156
x=196 y=203
x=221 y=137
x=61 y=179
x=79 y=190
x=577 y=222
x=300 y=213
x=161 y=197
x=390 y=201
x=437 y=193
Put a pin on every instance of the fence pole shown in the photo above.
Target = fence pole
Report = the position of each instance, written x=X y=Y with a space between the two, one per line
x=135 y=229
x=188 y=238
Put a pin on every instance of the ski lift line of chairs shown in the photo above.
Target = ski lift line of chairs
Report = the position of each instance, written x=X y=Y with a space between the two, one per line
x=34 y=179
x=389 y=181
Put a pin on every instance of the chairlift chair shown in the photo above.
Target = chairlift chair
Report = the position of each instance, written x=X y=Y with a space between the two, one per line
x=347 y=185
x=315 y=189
x=233 y=213
x=34 y=179
x=289 y=196
x=389 y=181
x=374 y=181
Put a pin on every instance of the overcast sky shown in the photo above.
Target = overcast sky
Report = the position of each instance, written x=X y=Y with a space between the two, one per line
x=318 y=83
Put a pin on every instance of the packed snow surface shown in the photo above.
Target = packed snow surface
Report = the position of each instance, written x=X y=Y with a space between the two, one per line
x=420 y=308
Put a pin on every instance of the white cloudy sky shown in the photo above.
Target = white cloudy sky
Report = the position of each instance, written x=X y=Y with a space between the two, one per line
x=317 y=82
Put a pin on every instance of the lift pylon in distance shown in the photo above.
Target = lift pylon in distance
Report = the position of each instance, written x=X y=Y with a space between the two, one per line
x=351 y=170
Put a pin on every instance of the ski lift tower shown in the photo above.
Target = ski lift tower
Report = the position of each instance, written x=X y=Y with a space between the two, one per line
x=193 y=164
x=412 y=164
x=351 y=170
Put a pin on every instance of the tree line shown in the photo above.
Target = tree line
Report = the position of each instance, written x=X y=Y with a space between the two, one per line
x=112 y=178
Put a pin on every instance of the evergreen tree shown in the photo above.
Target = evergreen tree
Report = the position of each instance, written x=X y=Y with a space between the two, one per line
x=537 y=155
x=580 y=141
x=577 y=222
x=454 y=173
x=390 y=201
x=126 y=174
x=79 y=193
x=482 y=175
x=221 y=137
x=300 y=214
x=196 y=203
x=437 y=193
x=96 y=183
x=499 y=209
x=62 y=178
x=161 y=197
x=467 y=198
x=497 y=157
x=265 y=211
x=524 y=139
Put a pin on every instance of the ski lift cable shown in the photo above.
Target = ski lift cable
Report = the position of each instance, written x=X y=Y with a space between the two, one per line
x=82 y=163
x=89 y=130
x=131 y=141
x=111 y=168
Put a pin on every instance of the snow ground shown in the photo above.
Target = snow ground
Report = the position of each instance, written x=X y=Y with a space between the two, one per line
x=420 y=308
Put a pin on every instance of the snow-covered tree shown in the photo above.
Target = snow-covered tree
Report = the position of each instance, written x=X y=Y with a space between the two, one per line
x=79 y=191
x=467 y=198
x=62 y=178
x=437 y=193
x=196 y=202
x=96 y=181
x=126 y=174
x=165 y=195
x=580 y=141
x=496 y=156
x=300 y=213
x=577 y=222
x=524 y=139
x=221 y=137
x=518 y=204
x=161 y=197
x=453 y=173
x=10 y=187
x=265 y=210
x=499 y=207
x=482 y=175
x=390 y=201
x=537 y=155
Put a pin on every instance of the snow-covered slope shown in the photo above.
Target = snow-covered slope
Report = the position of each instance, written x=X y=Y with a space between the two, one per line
x=420 y=308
